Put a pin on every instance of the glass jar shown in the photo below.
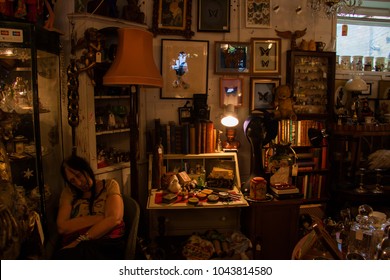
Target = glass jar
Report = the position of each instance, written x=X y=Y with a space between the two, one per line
x=361 y=232
x=280 y=163
x=258 y=188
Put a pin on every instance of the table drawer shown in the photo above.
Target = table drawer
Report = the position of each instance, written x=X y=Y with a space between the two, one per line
x=188 y=221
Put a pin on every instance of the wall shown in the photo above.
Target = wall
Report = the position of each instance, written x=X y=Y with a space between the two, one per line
x=152 y=107
x=319 y=29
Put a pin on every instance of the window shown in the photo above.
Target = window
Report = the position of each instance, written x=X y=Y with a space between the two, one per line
x=368 y=33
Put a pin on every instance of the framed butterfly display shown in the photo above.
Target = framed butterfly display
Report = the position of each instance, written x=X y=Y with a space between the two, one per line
x=231 y=91
x=262 y=93
x=257 y=13
x=232 y=57
x=214 y=15
x=266 y=55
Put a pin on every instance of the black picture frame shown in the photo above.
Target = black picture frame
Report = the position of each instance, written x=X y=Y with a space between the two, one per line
x=163 y=24
x=262 y=93
x=214 y=15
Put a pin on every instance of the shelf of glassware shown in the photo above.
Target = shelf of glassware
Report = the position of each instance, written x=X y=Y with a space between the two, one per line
x=311 y=76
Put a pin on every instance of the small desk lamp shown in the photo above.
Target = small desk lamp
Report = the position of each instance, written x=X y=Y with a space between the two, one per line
x=133 y=66
x=230 y=120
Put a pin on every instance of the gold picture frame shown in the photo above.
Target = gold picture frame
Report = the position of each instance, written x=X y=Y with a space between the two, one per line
x=172 y=18
x=266 y=56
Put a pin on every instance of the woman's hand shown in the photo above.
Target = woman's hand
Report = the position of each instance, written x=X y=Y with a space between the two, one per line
x=71 y=245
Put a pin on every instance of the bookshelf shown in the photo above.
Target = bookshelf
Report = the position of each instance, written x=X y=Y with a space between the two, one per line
x=311 y=162
x=311 y=76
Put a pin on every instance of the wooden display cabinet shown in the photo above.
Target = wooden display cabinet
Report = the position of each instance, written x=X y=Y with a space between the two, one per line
x=311 y=76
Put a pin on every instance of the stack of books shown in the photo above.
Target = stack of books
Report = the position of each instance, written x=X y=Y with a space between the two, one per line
x=285 y=191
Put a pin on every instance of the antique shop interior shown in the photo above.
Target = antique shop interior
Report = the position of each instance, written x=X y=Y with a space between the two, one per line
x=236 y=129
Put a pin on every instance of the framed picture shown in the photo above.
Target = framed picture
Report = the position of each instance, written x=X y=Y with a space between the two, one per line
x=262 y=93
x=232 y=57
x=184 y=68
x=384 y=90
x=257 y=13
x=384 y=107
x=367 y=92
x=266 y=54
x=214 y=15
x=231 y=91
x=172 y=17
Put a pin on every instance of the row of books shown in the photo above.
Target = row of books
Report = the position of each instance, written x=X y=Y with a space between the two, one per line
x=315 y=158
x=296 y=132
x=187 y=138
x=311 y=186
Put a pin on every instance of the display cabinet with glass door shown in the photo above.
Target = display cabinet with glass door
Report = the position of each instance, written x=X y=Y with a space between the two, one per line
x=30 y=121
x=311 y=77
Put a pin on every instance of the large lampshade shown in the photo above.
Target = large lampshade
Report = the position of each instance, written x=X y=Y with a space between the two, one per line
x=356 y=84
x=133 y=63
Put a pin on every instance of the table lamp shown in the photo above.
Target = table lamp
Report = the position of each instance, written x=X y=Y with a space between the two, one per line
x=229 y=120
x=133 y=67
x=355 y=85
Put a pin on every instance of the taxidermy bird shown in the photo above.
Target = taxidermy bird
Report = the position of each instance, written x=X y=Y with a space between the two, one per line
x=292 y=35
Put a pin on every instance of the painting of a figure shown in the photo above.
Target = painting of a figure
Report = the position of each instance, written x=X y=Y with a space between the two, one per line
x=172 y=13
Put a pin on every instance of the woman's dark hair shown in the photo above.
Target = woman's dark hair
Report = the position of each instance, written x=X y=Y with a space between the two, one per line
x=79 y=164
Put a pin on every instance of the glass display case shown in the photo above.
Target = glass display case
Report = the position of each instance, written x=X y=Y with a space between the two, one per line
x=311 y=76
x=30 y=115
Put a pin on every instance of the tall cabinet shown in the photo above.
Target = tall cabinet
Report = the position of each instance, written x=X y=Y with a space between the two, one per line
x=30 y=120
x=311 y=76
x=102 y=135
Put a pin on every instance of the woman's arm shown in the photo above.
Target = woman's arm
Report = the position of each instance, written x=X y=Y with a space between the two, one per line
x=113 y=212
x=67 y=225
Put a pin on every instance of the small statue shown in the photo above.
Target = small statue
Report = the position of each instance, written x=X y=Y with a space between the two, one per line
x=292 y=35
x=231 y=143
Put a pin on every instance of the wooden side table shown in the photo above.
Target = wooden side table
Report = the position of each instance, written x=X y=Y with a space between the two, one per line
x=272 y=227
